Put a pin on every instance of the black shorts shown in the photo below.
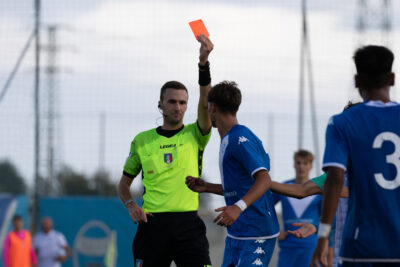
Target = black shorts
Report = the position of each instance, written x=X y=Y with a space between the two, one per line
x=172 y=236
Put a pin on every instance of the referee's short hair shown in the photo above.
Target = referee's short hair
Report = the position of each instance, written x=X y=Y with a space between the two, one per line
x=171 y=85
x=374 y=66
x=226 y=96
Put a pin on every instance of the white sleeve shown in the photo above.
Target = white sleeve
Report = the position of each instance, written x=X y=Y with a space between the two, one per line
x=61 y=240
x=36 y=242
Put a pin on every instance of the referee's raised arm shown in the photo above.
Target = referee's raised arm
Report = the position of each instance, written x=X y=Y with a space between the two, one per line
x=204 y=82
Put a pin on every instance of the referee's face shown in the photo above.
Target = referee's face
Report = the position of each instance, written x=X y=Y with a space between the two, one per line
x=174 y=105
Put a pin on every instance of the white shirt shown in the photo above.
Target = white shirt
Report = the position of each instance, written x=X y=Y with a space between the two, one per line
x=49 y=246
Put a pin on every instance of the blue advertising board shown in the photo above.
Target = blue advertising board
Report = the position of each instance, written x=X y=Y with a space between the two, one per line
x=98 y=230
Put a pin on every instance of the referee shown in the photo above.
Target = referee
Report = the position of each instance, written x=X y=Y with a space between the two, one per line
x=169 y=227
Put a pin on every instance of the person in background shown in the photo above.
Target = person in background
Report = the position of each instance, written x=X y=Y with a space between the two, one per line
x=17 y=249
x=50 y=245
x=295 y=252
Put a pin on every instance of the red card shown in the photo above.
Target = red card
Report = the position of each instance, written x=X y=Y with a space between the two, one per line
x=198 y=27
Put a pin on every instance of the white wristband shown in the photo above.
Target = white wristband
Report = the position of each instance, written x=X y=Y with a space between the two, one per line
x=241 y=204
x=323 y=230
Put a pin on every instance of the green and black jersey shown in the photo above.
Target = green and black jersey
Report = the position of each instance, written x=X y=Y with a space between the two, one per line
x=165 y=162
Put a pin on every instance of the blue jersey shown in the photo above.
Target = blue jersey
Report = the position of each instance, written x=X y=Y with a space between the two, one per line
x=365 y=141
x=306 y=210
x=241 y=156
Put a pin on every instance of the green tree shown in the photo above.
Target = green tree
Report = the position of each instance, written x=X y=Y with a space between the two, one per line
x=73 y=183
x=102 y=184
x=10 y=180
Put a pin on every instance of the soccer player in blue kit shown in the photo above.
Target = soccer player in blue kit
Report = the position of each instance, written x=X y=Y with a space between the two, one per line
x=250 y=215
x=365 y=142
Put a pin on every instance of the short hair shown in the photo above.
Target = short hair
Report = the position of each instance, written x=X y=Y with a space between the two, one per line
x=304 y=154
x=171 y=85
x=226 y=96
x=17 y=218
x=373 y=64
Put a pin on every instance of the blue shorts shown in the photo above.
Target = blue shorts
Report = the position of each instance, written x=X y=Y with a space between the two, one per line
x=295 y=257
x=248 y=253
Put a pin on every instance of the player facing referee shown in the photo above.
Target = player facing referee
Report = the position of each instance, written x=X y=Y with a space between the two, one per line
x=169 y=228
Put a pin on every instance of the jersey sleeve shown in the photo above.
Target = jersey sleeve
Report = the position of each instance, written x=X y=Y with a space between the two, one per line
x=62 y=240
x=248 y=154
x=336 y=151
x=202 y=139
x=320 y=181
x=133 y=165
x=276 y=198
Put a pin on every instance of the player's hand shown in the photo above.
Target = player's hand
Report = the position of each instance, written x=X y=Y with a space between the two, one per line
x=137 y=213
x=305 y=230
x=320 y=256
x=228 y=215
x=282 y=235
x=196 y=184
x=61 y=258
x=205 y=48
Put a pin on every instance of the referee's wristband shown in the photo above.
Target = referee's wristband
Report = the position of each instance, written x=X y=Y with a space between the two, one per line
x=129 y=201
x=204 y=74
x=323 y=230
x=241 y=204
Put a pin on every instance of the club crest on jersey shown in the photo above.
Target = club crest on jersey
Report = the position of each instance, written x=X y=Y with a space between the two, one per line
x=168 y=158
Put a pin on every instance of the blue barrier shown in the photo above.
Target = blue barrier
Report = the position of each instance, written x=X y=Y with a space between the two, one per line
x=98 y=230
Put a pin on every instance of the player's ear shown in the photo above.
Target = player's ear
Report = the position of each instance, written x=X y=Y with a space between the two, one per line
x=356 y=81
x=159 y=104
x=392 y=78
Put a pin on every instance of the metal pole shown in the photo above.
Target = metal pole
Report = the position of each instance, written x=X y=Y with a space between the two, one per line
x=51 y=72
x=302 y=71
x=37 y=117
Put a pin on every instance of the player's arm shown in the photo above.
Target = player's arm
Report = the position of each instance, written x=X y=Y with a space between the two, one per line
x=200 y=186
x=137 y=213
x=296 y=190
x=205 y=83
x=230 y=214
x=345 y=192
x=332 y=190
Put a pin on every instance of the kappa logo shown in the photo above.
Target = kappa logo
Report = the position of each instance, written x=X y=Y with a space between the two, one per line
x=258 y=262
x=242 y=139
x=260 y=241
x=259 y=250
x=168 y=158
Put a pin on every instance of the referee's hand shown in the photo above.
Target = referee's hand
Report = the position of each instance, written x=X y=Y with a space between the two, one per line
x=137 y=213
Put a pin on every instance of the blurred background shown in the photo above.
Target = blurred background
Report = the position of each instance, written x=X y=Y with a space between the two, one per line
x=79 y=79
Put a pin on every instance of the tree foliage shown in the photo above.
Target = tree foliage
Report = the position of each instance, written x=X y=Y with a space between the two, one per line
x=10 y=180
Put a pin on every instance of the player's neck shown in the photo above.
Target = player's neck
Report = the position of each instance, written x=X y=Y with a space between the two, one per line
x=225 y=123
x=382 y=94
x=301 y=179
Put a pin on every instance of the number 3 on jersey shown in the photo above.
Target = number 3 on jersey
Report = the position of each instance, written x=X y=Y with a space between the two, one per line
x=393 y=158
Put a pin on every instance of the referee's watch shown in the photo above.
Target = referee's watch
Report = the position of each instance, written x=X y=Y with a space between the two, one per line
x=129 y=201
